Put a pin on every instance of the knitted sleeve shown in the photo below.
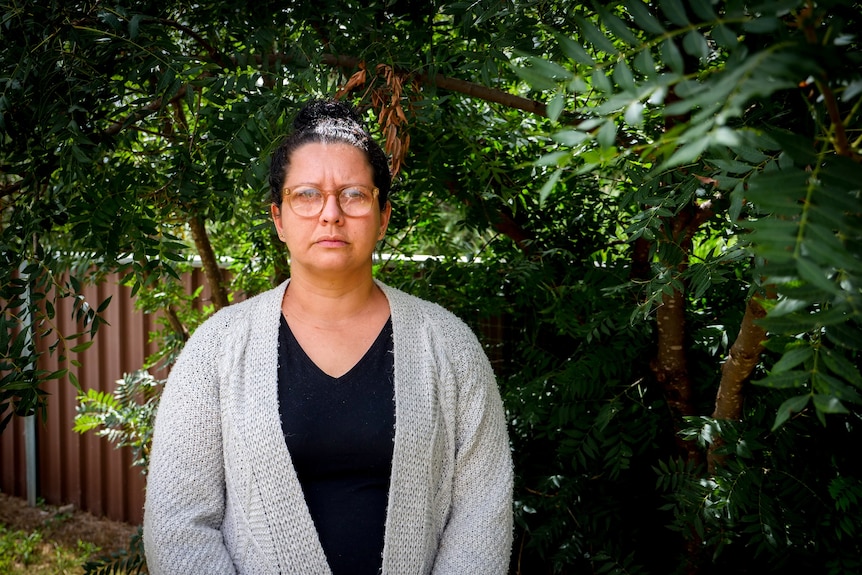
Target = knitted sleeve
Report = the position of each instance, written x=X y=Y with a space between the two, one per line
x=478 y=535
x=185 y=483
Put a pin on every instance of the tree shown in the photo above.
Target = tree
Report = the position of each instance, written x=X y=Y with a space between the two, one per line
x=660 y=200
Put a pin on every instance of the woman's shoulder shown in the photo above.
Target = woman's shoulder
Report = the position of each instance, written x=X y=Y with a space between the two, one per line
x=426 y=314
x=399 y=300
x=247 y=311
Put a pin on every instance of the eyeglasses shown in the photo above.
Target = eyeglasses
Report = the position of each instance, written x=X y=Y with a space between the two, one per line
x=308 y=201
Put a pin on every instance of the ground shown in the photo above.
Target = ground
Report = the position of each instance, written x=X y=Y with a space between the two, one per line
x=64 y=525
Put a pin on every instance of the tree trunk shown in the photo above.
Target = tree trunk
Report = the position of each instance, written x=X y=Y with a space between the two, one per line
x=741 y=360
x=175 y=323
x=211 y=269
x=670 y=366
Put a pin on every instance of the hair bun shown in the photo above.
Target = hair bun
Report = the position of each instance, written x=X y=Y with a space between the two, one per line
x=324 y=111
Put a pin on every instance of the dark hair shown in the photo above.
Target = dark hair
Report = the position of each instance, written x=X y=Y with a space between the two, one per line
x=329 y=122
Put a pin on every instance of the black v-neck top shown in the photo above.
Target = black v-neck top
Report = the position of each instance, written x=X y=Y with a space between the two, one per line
x=340 y=434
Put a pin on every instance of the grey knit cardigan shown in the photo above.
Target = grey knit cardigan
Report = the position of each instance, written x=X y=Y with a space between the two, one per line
x=222 y=494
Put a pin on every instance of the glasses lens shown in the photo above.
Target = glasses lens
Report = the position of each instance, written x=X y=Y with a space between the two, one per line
x=355 y=201
x=306 y=201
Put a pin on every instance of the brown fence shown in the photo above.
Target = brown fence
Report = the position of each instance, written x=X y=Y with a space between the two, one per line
x=86 y=470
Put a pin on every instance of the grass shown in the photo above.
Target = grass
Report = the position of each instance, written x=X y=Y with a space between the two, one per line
x=48 y=539
x=23 y=553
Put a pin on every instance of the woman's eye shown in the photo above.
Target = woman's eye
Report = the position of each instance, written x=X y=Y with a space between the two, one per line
x=353 y=194
x=307 y=194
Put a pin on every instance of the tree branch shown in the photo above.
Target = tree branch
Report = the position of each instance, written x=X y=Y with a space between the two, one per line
x=143 y=112
x=471 y=89
x=211 y=269
x=214 y=54
x=741 y=361
x=671 y=363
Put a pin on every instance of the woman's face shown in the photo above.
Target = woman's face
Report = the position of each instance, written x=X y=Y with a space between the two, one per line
x=331 y=242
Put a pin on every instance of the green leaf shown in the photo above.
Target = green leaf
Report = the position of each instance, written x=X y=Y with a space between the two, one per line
x=600 y=81
x=110 y=19
x=791 y=359
x=823 y=246
x=577 y=85
x=799 y=147
x=784 y=379
x=724 y=37
x=634 y=114
x=688 y=153
x=595 y=36
x=736 y=202
x=846 y=335
x=828 y=385
x=550 y=70
x=555 y=106
x=703 y=9
x=59 y=374
x=643 y=17
x=534 y=78
x=573 y=50
x=623 y=76
x=828 y=404
x=779 y=192
x=762 y=25
x=618 y=27
x=571 y=137
x=844 y=174
x=239 y=147
x=811 y=272
x=841 y=366
x=134 y=26
x=695 y=44
x=104 y=305
x=549 y=186
x=730 y=166
x=607 y=134
x=644 y=63
x=788 y=408
x=82 y=346
x=672 y=57
x=79 y=154
x=675 y=11
x=555 y=158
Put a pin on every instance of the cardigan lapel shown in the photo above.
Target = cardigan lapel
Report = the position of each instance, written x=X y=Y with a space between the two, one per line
x=292 y=541
x=409 y=527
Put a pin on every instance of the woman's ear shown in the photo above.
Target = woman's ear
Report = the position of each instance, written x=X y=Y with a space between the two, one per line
x=275 y=212
x=385 y=214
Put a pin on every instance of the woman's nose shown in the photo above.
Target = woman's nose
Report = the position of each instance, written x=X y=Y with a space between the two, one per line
x=331 y=210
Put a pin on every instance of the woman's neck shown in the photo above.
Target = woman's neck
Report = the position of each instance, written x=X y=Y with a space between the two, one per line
x=330 y=303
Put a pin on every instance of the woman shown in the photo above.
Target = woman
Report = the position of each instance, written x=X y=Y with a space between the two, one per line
x=332 y=424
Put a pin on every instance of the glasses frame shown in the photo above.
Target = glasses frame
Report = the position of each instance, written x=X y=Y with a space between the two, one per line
x=287 y=194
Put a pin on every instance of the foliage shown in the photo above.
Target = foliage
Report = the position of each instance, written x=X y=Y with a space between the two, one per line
x=130 y=561
x=23 y=552
x=609 y=191
x=693 y=110
x=125 y=417
x=17 y=547
x=703 y=98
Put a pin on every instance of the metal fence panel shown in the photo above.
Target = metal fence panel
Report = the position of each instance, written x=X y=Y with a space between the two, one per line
x=87 y=470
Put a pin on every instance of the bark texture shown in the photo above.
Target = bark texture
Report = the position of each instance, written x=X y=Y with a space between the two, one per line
x=211 y=269
x=670 y=366
x=741 y=361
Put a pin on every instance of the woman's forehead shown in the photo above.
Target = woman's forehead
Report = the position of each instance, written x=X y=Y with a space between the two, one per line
x=322 y=160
